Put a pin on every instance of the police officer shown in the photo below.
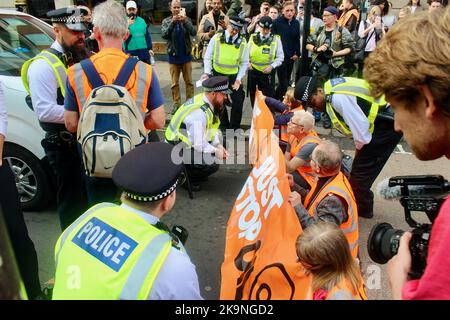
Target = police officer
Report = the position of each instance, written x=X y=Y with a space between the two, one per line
x=199 y=117
x=266 y=53
x=355 y=113
x=44 y=77
x=124 y=251
x=227 y=55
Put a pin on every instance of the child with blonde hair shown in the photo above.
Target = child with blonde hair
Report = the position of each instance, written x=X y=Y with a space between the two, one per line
x=323 y=251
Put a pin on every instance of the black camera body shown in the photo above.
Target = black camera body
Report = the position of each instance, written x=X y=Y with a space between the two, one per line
x=424 y=193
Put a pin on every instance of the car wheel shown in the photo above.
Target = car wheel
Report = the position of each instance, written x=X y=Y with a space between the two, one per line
x=31 y=179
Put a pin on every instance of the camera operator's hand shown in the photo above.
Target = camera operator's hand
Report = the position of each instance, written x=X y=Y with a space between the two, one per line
x=322 y=48
x=399 y=266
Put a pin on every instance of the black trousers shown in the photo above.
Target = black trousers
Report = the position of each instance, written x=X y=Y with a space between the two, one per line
x=67 y=166
x=262 y=81
x=369 y=161
x=284 y=75
x=197 y=169
x=237 y=103
x=22 y=245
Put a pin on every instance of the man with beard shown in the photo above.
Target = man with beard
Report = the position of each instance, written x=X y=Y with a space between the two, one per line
x=195 y=126
x=44 y=77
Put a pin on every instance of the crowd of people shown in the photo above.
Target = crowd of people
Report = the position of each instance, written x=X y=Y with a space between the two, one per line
x=97 y=153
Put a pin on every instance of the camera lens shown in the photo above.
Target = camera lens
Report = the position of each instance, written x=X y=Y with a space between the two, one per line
x=383 y=242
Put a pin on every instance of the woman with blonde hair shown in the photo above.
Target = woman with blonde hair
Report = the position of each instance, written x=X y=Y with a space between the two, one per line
x=323 y=250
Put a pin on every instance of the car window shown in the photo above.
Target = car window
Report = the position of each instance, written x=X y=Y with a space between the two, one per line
x=21 y=38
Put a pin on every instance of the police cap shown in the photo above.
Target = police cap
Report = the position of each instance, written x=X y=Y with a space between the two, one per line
x=148 y=173
x=216 y=84
x=305 y=88
x=265 y=22
x=72 y=17
x=236 y=22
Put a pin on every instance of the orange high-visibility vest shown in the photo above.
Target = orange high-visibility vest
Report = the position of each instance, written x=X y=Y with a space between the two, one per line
x=346 y=16
x=284 y=136
x=305 y=171
x=339 y=186
x=108 y=63
x=344 y=289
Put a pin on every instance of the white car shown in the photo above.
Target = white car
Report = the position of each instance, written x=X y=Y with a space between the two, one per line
x=22 y=36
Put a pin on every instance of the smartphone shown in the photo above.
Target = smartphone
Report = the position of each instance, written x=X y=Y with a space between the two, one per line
x=221 y=18
x=183 y=12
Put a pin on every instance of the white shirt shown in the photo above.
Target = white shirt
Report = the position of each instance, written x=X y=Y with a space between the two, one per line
x=177 y=279
x=371 y=42
x=196 y=128
x=43 y=88
x=279 y=55
x=209 y=56
x=3 y=113
x=354 y=117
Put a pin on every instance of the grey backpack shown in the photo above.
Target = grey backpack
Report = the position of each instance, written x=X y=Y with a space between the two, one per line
x=110 y=123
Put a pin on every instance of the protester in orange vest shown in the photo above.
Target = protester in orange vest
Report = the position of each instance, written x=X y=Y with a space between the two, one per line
x=110 y=30
x=302 y=142
x=322 y=250
x=331 y=197
x=350 y=17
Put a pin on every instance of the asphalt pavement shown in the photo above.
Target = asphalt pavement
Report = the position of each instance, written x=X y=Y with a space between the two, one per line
x=206 y=215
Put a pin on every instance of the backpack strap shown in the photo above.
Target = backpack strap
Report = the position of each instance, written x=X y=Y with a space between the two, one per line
x=126 y=71
x=91 y=73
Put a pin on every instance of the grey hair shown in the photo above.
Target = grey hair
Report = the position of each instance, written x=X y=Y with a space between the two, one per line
x=111 y=19
x=328 y=156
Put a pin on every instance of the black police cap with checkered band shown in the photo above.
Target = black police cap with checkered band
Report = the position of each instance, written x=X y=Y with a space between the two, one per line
x=148 y=173
x=72 y=17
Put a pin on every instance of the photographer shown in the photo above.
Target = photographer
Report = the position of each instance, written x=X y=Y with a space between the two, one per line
x=139 y=43
x=416 y=81
x=329 y=46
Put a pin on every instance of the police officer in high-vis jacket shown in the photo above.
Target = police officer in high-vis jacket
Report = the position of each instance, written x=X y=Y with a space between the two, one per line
x=266 y=54
x=124 y=251
x=227 y=55
x=355 y=113
x=44 y=77
x=196 y=125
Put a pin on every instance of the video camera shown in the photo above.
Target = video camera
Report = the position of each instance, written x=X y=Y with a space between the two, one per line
x=423 y=193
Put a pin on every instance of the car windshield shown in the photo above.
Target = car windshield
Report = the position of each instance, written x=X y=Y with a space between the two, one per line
x=21 y=38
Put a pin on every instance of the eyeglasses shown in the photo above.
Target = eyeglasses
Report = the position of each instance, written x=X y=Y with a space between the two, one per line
x=296 y=124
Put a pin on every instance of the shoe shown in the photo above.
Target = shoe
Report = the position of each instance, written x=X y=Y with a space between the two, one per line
x=194 y=186
x=366 y=215
x=317 y=116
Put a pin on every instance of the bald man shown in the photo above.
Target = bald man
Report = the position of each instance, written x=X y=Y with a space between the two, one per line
x=331 y=197
x=303 y=139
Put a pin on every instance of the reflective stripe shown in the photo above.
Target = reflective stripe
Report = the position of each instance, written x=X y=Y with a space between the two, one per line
x=80 y=219
x=271 y=53
x=217 y=55
x=141 y=85
x=79 y=87
x=143 y=266
x=353 y=225
x=61 y=70
x=340 y=126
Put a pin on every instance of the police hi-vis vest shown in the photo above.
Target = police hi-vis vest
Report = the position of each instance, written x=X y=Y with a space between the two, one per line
x=228 y=57
x=305 y=171
x=339 y=186
x=262 y=55
x=173 y=132
x=354 y=87
x=109 y=253
x=58 y=67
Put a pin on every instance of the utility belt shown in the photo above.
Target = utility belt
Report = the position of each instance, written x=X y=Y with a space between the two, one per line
x=56 y=135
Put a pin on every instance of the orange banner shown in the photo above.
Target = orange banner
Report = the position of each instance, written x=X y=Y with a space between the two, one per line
x=260 y=260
